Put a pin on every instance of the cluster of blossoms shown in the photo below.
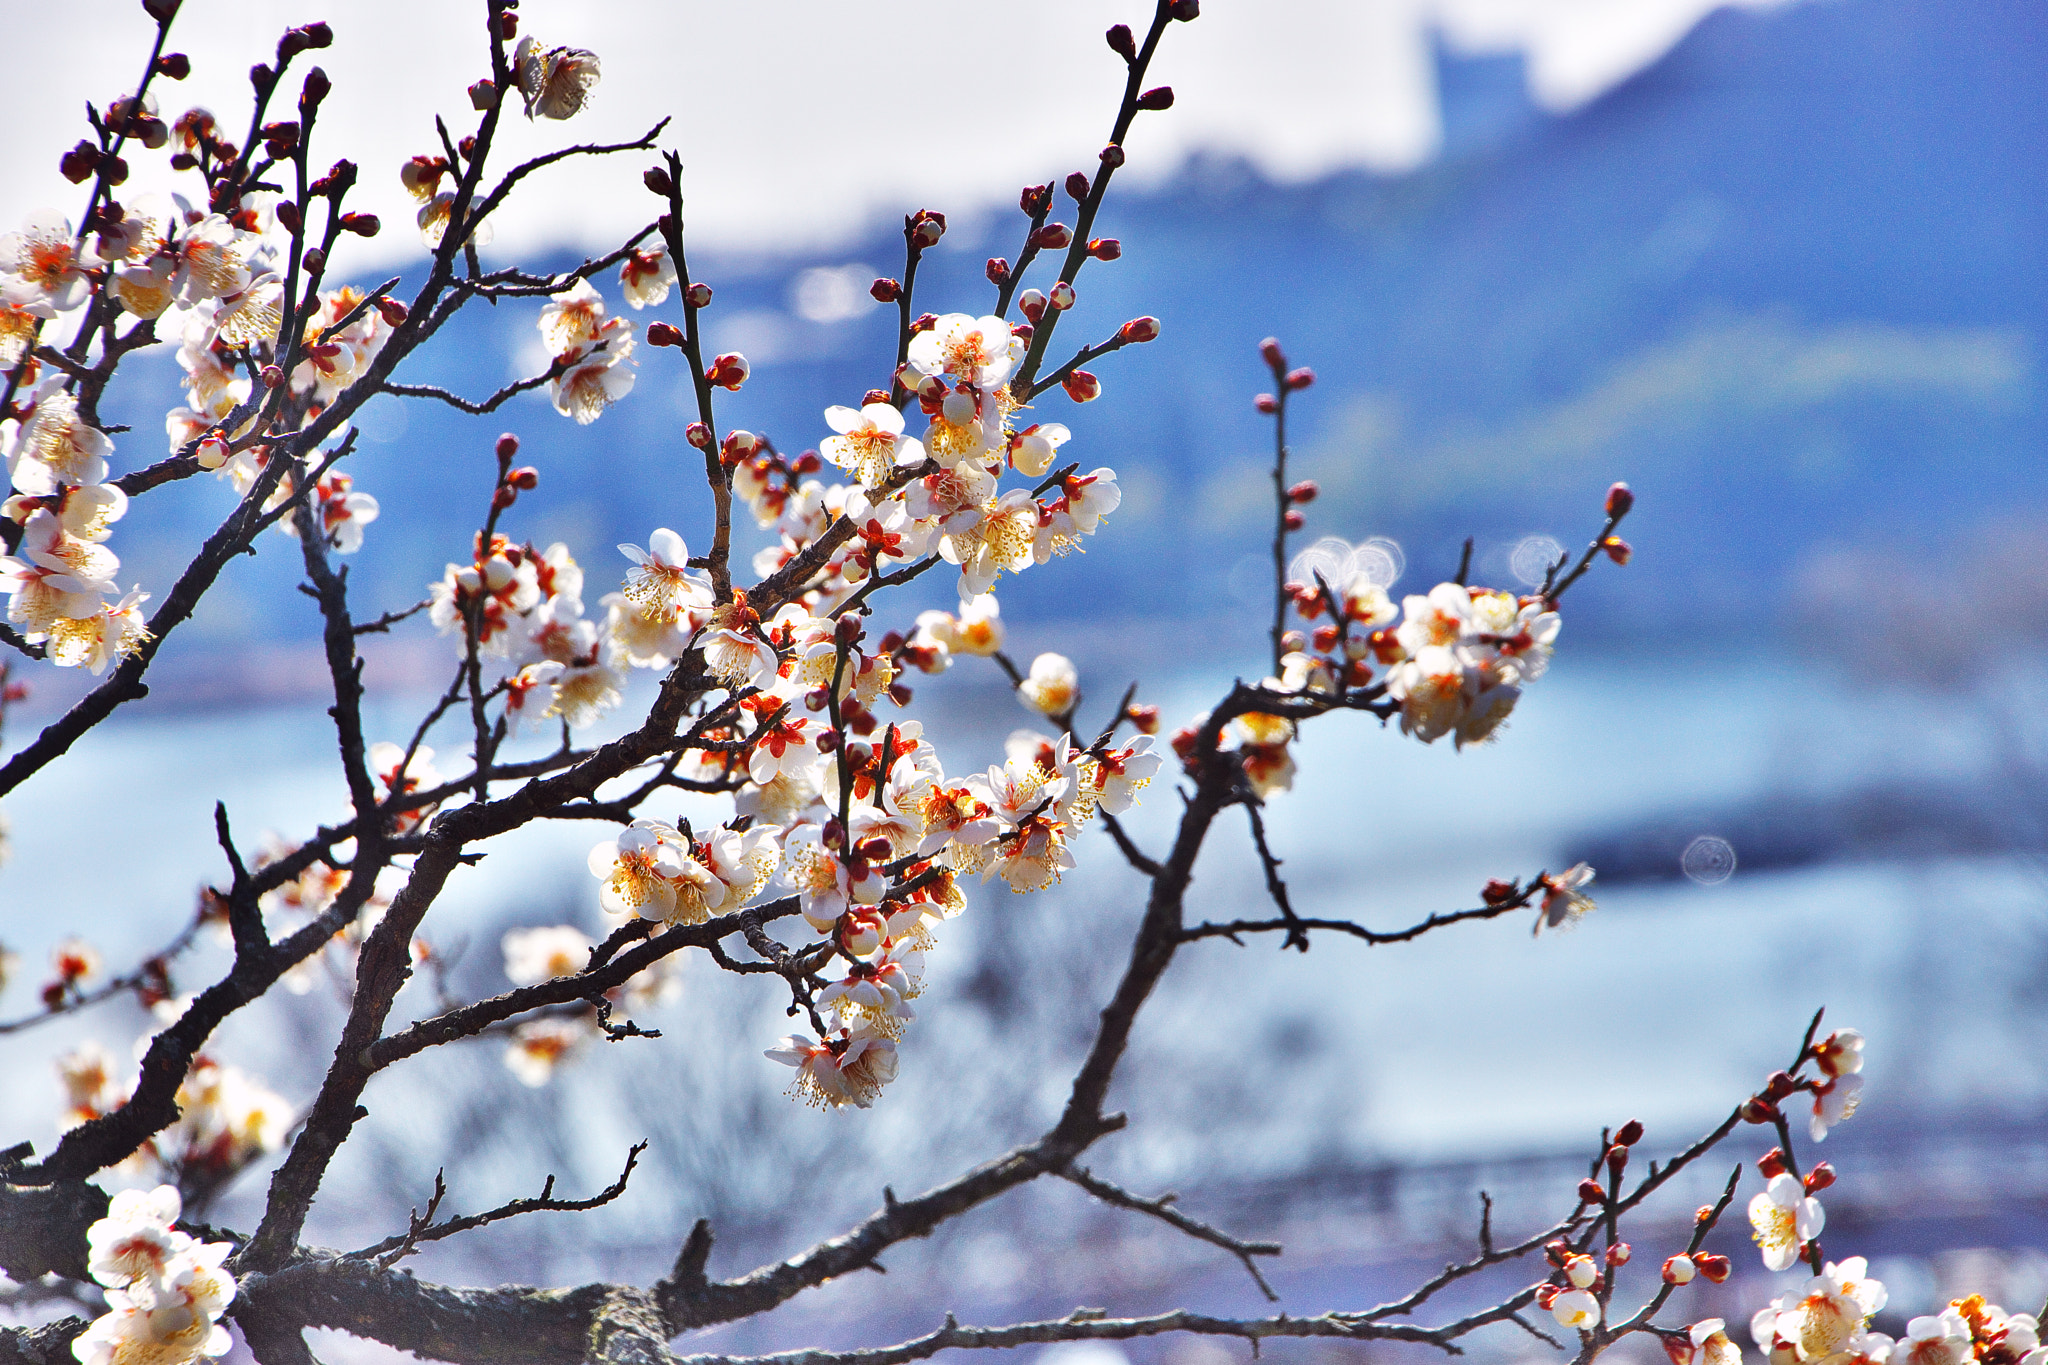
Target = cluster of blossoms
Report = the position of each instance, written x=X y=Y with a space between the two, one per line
x=592 y=351
x=871 y=833
x=226 y=1118
x=165 y=1289
x=541 y=954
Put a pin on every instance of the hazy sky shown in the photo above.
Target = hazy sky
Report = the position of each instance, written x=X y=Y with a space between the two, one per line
x=800 y=119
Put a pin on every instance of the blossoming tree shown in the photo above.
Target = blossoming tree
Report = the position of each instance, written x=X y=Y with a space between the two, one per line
x=779 y=693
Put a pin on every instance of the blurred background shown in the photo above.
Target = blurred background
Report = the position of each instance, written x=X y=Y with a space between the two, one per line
x=1779 y=266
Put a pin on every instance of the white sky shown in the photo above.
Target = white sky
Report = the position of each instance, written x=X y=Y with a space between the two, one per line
x=799 y=120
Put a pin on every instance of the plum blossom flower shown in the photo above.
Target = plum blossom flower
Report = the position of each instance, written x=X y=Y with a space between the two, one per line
x=639 y=869
x=870 y=443
x=51 y=445
x=876 y=990
x=45 y=256
x=646 y=276
x=1711 y=1344
x=1576 y=1308
x=1033 y=449
x=165 y=1289
x=1120 y=774
x=555 y=82
x=99 y=641
x=1052 y=687
x=1821 y=1321
x=980 y=351
x=1937 y=1339
x=1783 y=1218
x=1834 y=1102
x=540 y=1045
x=850 y=1069
x=541 y=954
x=23 y=308
x=55 y=576
x=1564 y=900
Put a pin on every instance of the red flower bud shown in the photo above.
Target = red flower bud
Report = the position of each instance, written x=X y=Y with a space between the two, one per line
x=664 y=334
x=1158 y=97
x=1082 y=386
x=817 y=699
x=698 y=435
x=1715 y=1268
x=871 y=396
x=657 y=179
x=926 y=226
x=1294 y=520
x=1619 y=1253
x=1052 y=237
x=115 y=169
x=1062 y=296
x=483 y=94
x=1145 y=718
x=1266 y=403
x=361 y=224
x=315 y=260
x=728 y=370
x=508 y=26
x=1139 y=330
x=924 y=322
x=1630 y=1133
x=1121 y=42
x=1620 y=500
x=1757 y=1109
x=1305 y=491
x=1617 y=549
x=504 y=497
x=1112 y=156
x=1557 y=1251
x=1679 y=1269
x=1185 y=11
x=506 y=448
x=1819 y=1178
x=1772 y=1163
x=998 y=271
x=739 y=445
x=1035 y=200
x=78 y=164
x=1077 y=187
x=1778 y=1085
x=1105 y=248
x=313 y=91
x=1275 y=358
x=174 y=66
x=1590 y=1192
x=525 y=477
x=271 y=375
x=392 y=311
x=1617 y=1158
x=847 y=628
x=1497 y=892
x=807 y=463
x=1301 y=378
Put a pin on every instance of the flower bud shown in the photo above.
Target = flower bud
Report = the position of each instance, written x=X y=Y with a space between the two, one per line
x=1497 y=892
x=78 y=164
x=1158 y=97
x=847 y=628
x=174 y=66
x=1620 y=500
x=1703 y=1214
x=1304 y=492
x=1778 y=1085
x=900 y=693
x=483 y=94
x=1266 y=403
x=1617 y=549
x=391 y=310
x=1275 y=358
x=664 y=334
x=115 y=169
x=1301 y=378
x=1819 y=1178
x=998 y=271
x=808 y=462
x=1032 y=304
x=288 y=214
x=697 y=295
x=213 y=450
x=1105 y=248
x=698 y=435
x=1617 y=1158
x=1144 y=717
x=271 y=375
x=1294 y=520
x=1186 y=11
x=1293 y=640
x=1547 y=1294
x=924 y=322
x=1772 y=1163
x=506 y=448
x=1062 y=296
x=526 y=478
x=871 y=396
x=1619 y=1253
x=1679 y=1269
x=1052 y=237
x=1715 y=1268
x=315 y=260
x=1139 y=331
x=1678 y=1348
x=1557 y=1251
x=926 y=227
x=739 y=445
x=313 y=91
x=261 y=76
x=1590 y=1192
x=728 y=371
x=361 y=224
x=504 y=497
x=1581 y=1271
x=885 y=290
x=1112 y=156
x=280 y=138
x=1630 y=1133
x=817 y=699
x=1082 y=386
x=1757 y=1109
x=508 y=26
x=656 y=179
x=1035 y=201
x=1121 y=42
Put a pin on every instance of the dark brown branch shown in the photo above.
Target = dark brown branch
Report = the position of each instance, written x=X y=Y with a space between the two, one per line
x=388 y=1252
x=1162 y=1209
